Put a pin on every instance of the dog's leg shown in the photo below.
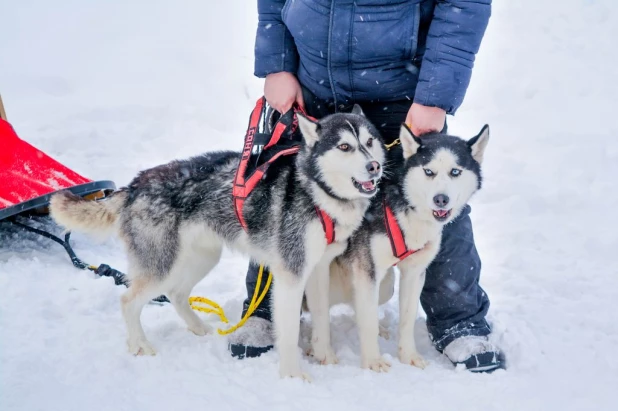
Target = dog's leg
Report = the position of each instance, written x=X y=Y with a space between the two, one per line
x=387 y=289
x=410 y=285
x=142 y=290
x=366 y=307
x=317 y=293
x=287 y=300
x=194 y=268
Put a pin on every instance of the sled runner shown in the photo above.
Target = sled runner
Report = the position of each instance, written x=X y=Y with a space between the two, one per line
x=28 y=178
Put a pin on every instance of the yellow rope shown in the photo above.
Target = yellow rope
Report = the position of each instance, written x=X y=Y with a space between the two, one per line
x=217 y=309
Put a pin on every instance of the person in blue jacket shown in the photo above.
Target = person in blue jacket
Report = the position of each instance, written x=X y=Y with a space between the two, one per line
x=401 y=61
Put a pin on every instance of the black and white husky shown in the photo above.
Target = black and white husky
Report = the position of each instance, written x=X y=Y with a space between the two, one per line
x=433 y=178
x=175 y=218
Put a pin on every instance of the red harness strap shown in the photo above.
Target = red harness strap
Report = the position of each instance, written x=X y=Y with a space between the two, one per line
x=398 y=242
x=327 y=224
x=244 y=186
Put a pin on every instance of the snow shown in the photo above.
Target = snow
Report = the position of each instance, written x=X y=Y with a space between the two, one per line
x=110 y=88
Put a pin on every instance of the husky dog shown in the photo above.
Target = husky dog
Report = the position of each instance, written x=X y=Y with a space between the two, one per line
x=437 y=177
x=175 y=218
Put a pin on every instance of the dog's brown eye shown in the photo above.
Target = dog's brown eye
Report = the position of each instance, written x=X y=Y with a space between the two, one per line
x=455 y=172
x=428 y=172
x=370 y=142
x=344 y=147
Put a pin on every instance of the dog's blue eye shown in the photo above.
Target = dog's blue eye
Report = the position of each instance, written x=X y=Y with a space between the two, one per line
x=428 y=172
x=455 y=172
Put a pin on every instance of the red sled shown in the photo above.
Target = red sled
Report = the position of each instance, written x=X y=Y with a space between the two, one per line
x=29 y=177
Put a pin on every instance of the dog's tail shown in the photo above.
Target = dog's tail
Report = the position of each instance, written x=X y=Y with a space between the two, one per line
x=93 y=217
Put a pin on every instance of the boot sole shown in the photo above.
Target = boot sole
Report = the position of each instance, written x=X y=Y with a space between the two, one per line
x=241 y=351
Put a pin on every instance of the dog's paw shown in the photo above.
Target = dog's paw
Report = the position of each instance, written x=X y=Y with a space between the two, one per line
x=326 y=356
x=140 y=347
x=200 y=329
x=377 y=364
x=414 y=359
x=295 y=374
x=384 y=333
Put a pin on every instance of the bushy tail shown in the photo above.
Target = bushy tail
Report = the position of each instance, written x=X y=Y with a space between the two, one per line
x=92 y=217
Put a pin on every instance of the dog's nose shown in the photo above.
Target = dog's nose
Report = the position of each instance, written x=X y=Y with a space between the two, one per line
x=373 y=167
x=441 y=200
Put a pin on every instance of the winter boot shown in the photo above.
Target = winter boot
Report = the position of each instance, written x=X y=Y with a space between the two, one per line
x=256 y=336
x=476 y=353
x=253 y=339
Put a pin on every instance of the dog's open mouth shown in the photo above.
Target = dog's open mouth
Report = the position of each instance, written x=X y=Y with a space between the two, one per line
x=441 y=214
x=365 y=187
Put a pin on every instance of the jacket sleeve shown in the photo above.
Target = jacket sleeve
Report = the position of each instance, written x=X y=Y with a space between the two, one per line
x=275 y=50
x=453 y=40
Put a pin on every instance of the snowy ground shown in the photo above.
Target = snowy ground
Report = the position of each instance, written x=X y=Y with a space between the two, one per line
x=111 y=89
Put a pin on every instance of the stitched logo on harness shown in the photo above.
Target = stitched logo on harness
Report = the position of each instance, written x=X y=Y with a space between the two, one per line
x=248 y=143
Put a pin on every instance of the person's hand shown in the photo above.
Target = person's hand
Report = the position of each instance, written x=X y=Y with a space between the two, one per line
x=422 y=119
x=282 y=90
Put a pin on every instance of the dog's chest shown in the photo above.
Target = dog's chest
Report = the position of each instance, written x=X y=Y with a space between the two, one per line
x=416 y=236
x=382 y=254
x=344 y=232
x=347 y=222
x=335 y=249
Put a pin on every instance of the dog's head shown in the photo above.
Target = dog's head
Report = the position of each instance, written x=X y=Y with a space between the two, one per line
x=441 y=172
x=343 y=153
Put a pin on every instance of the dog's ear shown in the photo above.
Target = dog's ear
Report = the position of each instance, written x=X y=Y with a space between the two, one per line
x=409 y=141
x=309 y=129
x=358 y=110
x=478 y=144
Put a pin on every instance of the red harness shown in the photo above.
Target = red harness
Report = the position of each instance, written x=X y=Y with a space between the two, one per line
x=244 y=185
x=395 y=235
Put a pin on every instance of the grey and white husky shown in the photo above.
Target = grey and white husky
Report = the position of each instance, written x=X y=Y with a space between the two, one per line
x=432 y=179
x=175 y=218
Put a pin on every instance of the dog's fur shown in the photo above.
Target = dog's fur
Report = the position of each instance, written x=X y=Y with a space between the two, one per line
x=363 y=276
x=175 y=219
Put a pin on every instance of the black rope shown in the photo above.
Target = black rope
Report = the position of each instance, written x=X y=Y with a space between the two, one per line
x=74 y=259
x=102 y=270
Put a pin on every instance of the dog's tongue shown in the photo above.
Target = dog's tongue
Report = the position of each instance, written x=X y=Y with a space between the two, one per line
x=368 y=185
x=442 y=213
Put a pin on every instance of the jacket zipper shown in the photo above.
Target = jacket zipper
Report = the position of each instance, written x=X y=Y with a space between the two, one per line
x=328 y=58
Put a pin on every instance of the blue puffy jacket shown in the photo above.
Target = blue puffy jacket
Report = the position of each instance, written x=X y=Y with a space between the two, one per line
x=367 y=50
